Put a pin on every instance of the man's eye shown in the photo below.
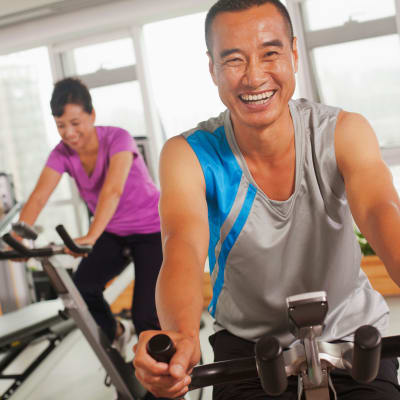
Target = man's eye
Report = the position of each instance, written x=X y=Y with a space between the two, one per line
x=233 y=61
x=271 y=53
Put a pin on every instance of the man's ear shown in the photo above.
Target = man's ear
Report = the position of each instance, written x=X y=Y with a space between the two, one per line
x=295 y=55
x=211 y=67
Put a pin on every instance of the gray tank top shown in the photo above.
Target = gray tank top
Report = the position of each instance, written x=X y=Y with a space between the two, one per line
x=262 y=251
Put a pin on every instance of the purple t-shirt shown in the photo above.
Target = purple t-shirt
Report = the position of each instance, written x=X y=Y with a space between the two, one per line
x=137 y=211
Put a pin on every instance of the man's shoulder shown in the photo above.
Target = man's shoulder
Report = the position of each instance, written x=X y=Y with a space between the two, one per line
x=319 y=109
x=210 y=125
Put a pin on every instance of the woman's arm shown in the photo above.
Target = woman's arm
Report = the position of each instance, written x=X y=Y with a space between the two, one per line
x=110 y=194
x=45 y=186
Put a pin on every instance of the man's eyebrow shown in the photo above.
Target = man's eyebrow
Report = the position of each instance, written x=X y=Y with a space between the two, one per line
x=227 y=52
x=273 y=43
x=270 y=43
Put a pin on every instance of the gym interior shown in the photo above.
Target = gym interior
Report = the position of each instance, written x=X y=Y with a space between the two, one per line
x=145 y=64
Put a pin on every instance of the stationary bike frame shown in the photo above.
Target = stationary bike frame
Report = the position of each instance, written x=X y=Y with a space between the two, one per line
x=309 y=359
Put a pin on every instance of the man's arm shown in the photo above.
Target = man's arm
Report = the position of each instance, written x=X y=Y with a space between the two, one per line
x=185 y=233
x=373 y=200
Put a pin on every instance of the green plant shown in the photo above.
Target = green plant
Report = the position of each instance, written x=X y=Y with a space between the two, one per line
x=366 y=248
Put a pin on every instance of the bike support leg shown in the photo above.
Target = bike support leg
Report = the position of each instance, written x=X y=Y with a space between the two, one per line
x=122 y=375
x=311 y=392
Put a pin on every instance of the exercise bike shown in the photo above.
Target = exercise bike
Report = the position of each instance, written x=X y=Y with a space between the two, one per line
x=309 y=359
x=120 y=374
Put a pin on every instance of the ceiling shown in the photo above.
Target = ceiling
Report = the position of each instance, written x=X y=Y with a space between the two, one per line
x=17 y=11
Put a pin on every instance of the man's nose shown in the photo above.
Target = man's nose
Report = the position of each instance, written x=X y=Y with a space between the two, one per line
x=256 y=74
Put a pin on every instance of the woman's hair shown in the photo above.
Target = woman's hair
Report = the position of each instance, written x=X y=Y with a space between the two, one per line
x=70 y=91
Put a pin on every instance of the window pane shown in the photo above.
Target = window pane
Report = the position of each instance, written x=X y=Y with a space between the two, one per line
x=184 y=91
x=124 y=110
x=108 y=55
x=321 y=14
x=363 y=76
x=27 y=130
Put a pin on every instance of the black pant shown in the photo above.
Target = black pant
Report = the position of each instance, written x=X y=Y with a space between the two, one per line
x=105 y=262
x=227 y=346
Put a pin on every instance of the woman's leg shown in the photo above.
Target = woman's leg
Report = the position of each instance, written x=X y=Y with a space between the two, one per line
x=102 y=264
x=146 y=252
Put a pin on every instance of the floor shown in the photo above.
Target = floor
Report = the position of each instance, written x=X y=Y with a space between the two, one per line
x=73 y=372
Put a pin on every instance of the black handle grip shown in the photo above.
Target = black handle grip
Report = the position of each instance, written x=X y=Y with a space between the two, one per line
x=390 y=347
x=25 y=251
x=66 y=238
x=9 y=255
x=271 y=365
x=366 y=354
x=161 y=348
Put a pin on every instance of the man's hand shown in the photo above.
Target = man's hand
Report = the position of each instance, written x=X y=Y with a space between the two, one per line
x=161 y=379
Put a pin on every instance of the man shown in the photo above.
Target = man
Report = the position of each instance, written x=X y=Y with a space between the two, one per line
x=267 y=189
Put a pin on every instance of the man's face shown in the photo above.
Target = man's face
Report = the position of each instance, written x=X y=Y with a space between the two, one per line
x=253 y=64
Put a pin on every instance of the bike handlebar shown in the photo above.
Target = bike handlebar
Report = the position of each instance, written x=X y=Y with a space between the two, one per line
x=9 y=255
x=68 y=241
x=268 y=363
x=20 y=250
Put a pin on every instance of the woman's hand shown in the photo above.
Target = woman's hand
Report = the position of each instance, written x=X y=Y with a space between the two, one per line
x=83 y=240
x=167 y=380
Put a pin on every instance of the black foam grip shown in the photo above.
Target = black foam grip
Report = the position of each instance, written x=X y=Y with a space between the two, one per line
x=271 y=365
x=161 y=348
x=18 y=246
x=25 y=251
x=366 y=354
x=9 y=255
x=70 y=243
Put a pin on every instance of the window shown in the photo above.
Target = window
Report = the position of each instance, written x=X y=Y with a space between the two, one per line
x=323 y=14
x=363 y=76
x=125 y=110
x=27 y=129
x=353 y=50
x=109 y=70
x=108 y=55
x=178 y=63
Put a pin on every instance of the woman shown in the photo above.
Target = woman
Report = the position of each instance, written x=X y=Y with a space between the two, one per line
x=112 y=179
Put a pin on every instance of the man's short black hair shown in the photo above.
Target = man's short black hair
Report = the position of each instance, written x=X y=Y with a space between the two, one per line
x=70 y=91
x=239 y=5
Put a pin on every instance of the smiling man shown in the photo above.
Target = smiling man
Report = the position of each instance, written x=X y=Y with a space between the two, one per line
x=267 y=190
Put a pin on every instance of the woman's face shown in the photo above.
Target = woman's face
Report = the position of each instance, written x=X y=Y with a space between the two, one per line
x=76 y=126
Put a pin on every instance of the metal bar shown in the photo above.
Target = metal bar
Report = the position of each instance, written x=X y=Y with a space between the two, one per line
x=10 y=216
x=351 y=31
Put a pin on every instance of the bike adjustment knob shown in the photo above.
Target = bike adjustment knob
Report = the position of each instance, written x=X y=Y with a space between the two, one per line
x=161 y=348
x=271 y=365
x=366 y=354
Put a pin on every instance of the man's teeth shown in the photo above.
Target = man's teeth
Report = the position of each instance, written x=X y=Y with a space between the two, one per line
x=257 y=97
